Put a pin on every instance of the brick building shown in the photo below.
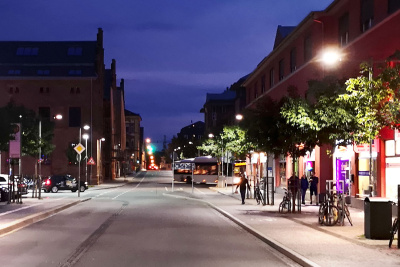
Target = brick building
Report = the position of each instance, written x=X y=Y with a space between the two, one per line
x=67 y=78
x=362 y=30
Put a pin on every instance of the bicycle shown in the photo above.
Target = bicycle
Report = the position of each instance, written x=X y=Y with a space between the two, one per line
x=346 y=209
x=286 y=204
x=328 y=213
x=393 y=231
x=258 y=195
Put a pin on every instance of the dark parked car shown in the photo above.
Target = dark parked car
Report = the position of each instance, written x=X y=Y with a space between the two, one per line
x=54 y=183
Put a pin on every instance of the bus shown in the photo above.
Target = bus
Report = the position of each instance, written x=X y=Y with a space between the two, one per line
x=205 y=170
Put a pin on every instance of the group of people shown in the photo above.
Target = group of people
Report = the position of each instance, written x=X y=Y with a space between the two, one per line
x=293 y=186
x=304 y=185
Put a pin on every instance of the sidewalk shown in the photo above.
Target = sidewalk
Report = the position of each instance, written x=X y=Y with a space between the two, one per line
x=301 y=234
x=15 y=216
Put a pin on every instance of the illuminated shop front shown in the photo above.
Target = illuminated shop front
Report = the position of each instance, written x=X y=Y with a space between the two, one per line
x=364 y=168
x=309 y=163
x=343 y=155
x=392 y=167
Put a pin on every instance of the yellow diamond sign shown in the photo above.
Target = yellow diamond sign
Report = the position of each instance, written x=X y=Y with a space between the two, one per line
x=79 y=148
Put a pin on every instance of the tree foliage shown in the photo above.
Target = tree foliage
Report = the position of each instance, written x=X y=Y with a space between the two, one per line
x=30 y=130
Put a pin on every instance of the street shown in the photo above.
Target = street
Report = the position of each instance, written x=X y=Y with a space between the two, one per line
x=138 y=224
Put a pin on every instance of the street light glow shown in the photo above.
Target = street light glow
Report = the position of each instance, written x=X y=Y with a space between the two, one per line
x=85 y=136
x=86 y=127
x=58 y=117
x=239 y=117
x=331 y=57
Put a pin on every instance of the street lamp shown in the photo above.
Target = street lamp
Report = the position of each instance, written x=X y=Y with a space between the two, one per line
x=100 y=163
x=56 y=117
x=239 y=117
x=85 y=127
x=86 y=137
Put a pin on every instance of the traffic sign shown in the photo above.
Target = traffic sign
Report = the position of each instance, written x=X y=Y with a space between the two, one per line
x=91 y=161
x=79 y=148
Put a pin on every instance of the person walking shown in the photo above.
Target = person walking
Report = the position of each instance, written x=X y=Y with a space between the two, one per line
x=293 y=186
x=314 y=187
x=304 y=187
x=243 y=183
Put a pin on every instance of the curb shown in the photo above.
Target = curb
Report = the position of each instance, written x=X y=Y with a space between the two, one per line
x=293 y=255
x=21 y=223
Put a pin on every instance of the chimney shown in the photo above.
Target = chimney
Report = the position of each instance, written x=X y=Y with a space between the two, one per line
x=100 y=37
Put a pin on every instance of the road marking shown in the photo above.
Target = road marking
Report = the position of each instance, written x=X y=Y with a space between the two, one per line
x=199 y=190
x=27 y=207
x=123 y=193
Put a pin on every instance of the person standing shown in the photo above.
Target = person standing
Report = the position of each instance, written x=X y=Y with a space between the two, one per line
x=293 y=186
x=243 y=183
x=314 y=187
x=304 y=187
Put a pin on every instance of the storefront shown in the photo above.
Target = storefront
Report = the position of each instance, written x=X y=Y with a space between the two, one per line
x=342 y=167
x=309 y=163
x=367 y=169
x=392 y=167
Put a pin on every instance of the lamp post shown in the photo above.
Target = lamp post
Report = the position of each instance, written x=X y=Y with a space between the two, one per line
x=56 y=117
x=86 y=137
x=85 y=127
x=100 y=163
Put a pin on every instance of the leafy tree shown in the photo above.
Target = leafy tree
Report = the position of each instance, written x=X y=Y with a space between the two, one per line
x=30 y=130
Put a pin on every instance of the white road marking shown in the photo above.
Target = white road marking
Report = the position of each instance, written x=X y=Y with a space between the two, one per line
x=123 y=193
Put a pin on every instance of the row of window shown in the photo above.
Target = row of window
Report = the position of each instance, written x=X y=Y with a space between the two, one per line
x=34 y=51
x=73 y=90
x=75 y=72
x=367 y=16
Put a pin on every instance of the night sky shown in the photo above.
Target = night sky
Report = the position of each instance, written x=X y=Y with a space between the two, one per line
x=169 y=52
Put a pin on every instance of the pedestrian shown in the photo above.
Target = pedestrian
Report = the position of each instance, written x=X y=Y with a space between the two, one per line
x=314 y=187
x=243 y=183
x=304 y=187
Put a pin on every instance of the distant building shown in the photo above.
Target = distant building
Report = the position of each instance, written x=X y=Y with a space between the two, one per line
x=67 y=78
x=134 y=141
x=192 y=132
x=220 y=109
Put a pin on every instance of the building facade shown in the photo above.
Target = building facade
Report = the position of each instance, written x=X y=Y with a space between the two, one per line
x=134 y=141
x=363 y=31
x=67 y=78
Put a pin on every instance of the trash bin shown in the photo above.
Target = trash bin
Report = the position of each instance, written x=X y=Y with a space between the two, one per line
x=3 y=194
x=377 y=218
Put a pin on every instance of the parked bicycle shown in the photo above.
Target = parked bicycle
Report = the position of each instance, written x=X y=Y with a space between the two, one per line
x=258 y=195
x=328 y=213
x=286 y=204
x=393 y=231
x=345 y=210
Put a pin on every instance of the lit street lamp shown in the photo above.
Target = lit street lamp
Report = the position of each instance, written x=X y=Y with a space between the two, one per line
x=86 y=137
x=56 y=117
x=85 y=127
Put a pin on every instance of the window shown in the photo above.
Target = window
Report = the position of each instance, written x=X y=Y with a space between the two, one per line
x=72 y=90
x=14 y=72
x=16 y=90
x=307 y=48
x=44 y=90
x=393 y=5
x=271 y=78
x=43 y=72
x=344 y=30
x=293 y=65
x=75 y=72
x=75 y=51
x=263 y=84
x=256 y=90
x=367 y=14
x=74 y=117
x=281 y=69
x=44 y=113
x=27 y=51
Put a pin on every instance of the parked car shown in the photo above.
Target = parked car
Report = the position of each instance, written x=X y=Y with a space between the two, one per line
x=20 y=187
x=54 y=183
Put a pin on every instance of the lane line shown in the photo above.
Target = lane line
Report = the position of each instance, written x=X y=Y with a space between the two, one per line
x=123 y=193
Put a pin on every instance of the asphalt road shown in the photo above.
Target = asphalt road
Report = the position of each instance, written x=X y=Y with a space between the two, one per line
x=137 y=225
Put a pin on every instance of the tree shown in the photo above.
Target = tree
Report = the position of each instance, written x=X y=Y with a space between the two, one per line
x=30 y=130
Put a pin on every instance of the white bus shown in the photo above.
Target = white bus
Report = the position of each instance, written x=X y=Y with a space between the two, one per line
x=205 y=170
